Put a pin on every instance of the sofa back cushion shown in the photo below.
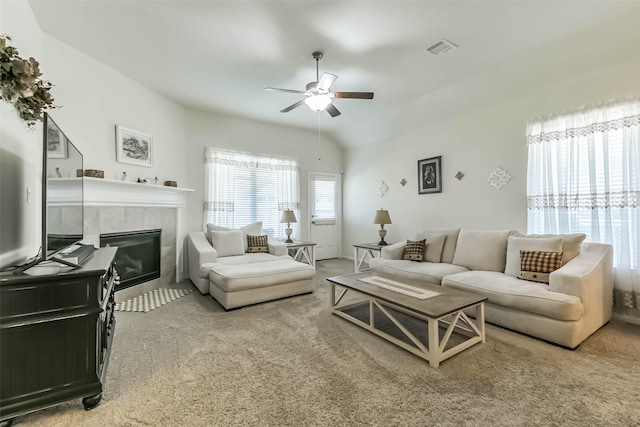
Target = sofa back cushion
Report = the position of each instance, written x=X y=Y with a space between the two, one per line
x=254 y=229
x=450 y=241
x=515 y=244
x=570 y=244
x=227 y=243
x=434 y=243
x=482 y=249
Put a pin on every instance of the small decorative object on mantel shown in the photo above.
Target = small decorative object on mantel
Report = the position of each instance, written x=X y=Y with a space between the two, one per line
x=142 y=181
x=171 y=183
x=58 y=173
x=21 y=86
x=430 y=175
x=382 y=188
x=133 y=147
x=94 y=173
x=459 y=175
x=498 y=178
x=124 y=176
x=403 y=182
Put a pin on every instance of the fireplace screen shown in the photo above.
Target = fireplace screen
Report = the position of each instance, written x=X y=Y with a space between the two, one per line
x=138 y=256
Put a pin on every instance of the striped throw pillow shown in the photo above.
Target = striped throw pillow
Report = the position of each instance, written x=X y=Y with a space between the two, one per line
x=257 y=244
x=537 y=265
x=414 y=250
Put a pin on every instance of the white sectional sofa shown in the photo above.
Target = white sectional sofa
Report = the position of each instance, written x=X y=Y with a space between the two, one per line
x=220 y=265
x=575 y=303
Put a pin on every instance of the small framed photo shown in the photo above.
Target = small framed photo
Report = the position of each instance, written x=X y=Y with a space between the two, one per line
x=430 y=175
x=133 y=147
x=56 y=142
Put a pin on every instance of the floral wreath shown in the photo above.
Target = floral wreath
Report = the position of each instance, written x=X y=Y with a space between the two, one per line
x=21 y=86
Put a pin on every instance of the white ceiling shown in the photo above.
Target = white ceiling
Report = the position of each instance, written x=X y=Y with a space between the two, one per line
x=219 y=55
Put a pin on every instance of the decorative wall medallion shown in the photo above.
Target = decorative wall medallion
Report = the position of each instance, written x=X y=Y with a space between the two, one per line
x=382 y=188
x=498 y=178
x=403 y=182
x=459 y=175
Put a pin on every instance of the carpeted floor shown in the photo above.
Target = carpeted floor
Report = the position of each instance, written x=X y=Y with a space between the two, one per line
x=292 y=363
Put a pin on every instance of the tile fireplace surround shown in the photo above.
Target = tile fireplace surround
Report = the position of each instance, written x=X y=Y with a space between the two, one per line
x=115 y=206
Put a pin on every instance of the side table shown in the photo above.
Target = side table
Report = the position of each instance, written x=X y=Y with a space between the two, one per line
x=362 y=253
x=303 y=252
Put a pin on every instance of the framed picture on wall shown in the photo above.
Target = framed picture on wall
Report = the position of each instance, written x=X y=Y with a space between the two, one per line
x=430 y=175
x=133 y=147
x=56 y=142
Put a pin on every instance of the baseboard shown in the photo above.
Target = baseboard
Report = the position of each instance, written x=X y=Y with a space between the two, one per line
x=626 y=318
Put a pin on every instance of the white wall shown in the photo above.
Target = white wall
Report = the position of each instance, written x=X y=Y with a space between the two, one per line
x=474 y=143
x=93 y=98
x=233 y=133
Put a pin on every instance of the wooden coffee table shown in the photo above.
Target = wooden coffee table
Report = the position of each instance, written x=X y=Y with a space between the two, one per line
x=445 y=310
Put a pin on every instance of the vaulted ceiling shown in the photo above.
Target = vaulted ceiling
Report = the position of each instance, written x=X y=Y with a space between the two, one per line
x=219 y=55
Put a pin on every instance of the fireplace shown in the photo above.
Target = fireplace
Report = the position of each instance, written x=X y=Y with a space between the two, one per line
x=138 y=256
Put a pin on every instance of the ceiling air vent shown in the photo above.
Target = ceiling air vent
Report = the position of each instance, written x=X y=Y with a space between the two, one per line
x=442 y=47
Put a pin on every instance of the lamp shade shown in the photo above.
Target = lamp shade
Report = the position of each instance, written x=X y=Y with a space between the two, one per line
x=288 y=216
x=382 y=217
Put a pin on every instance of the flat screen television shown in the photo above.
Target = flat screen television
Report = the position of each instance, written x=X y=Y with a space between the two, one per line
x=62 y=191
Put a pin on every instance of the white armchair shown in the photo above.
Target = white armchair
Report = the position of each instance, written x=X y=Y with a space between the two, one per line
x=241 y=277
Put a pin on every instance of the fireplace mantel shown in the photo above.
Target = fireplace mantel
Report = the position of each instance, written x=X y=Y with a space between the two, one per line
x=109 y=192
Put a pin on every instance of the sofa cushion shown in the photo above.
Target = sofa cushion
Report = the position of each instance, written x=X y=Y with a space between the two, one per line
x=239 y=260
x=414 y=250
x=515 y=244
x=482 y=249
x=227 y=243
x=434 y=243
x=257 y=244
x=254 y=228
x=414 y=272
x=537 y=265
x=507 y=291
x=570 y=244
x=450 y=241
x=232 y=278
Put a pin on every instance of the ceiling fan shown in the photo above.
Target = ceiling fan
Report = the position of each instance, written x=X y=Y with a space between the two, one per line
x=318 y=94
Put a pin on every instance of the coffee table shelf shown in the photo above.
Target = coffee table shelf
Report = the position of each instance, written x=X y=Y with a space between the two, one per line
x=445 y=310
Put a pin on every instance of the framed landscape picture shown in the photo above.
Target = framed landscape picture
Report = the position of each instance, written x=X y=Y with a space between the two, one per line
x=430 y=175
x=133 y=147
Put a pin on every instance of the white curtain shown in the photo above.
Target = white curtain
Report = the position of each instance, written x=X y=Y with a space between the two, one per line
x=584 y=176
x=242 y=187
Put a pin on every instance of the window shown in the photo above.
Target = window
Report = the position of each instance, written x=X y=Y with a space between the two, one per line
x=584 y=176
x=242 y=188
x=324 y=200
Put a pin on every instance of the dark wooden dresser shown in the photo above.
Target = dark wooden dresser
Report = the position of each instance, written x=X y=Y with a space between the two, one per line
x=56 y=330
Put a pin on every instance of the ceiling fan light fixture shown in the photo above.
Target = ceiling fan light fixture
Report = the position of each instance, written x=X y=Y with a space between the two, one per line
x=318 y=102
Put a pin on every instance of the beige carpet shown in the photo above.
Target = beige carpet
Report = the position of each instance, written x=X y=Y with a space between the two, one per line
x=292 y=363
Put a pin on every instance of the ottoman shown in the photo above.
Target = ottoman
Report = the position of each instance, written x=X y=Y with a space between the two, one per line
x=239 y=285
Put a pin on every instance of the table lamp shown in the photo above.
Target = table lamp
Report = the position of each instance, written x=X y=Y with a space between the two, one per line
x=288 y=217
x=382 y=218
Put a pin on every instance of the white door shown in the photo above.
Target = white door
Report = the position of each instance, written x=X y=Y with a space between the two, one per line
x=324 y=194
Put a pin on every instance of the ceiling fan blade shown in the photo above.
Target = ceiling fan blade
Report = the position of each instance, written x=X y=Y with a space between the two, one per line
x=292 y=106
x=355 y=95
x=285 y=90
x=332 y=110
x=326 y=81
